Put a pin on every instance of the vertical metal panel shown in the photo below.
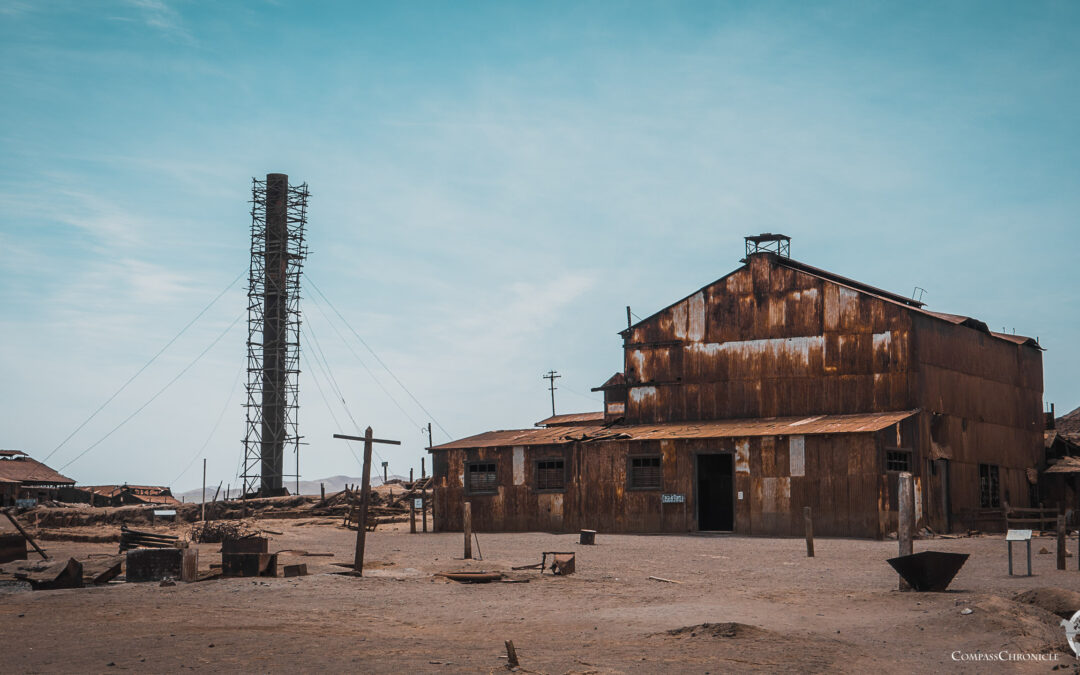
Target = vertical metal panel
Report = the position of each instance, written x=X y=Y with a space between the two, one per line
x=797 y=455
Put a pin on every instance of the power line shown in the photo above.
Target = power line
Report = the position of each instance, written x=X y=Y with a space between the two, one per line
x=145 y=366
x=221 y=416
x=353 y=352
x=381 y=362
x=329 y=408
x=159 y=392
x=333 y=383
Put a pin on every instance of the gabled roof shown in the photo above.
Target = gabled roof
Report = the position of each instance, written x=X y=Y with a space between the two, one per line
x=764 y=426
x=570 y=419
x=615 y=381
x=1068 y=423
x=887 y=296
x=20 y=467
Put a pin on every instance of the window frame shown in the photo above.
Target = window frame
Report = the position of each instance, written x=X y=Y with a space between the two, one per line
x=536 y=474
x=993 y=479
x=906 y=452
x=469 y=471
x=630 y=471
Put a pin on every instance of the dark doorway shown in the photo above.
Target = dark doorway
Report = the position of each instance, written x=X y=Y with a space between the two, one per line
x=715 y=492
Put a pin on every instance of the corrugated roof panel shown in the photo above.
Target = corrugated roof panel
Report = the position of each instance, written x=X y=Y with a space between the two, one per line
x=770 y=426
x=593 y=418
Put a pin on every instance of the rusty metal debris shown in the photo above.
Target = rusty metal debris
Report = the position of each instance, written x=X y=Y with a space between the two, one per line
x=51 y=576
x=155 y=564
x=562 y=563
x=472 y=577
x=929 y=571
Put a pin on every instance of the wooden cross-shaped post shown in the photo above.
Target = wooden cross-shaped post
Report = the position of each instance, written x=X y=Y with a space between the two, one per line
x=365 y=492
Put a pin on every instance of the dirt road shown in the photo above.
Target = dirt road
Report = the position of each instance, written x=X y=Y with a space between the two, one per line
x=769 y=608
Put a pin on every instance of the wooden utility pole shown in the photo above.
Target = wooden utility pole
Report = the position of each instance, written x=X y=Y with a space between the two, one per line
x=384 y=470
x=203 y=517
x=468 y=530
x=551 y=376
x=1060 y=541
x=906 y=525
x=423 y=492
x=809 y=531
x=365 y=493
x=430 y=444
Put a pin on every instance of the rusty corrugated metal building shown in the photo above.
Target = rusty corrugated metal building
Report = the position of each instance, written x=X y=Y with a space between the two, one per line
x=775 y=387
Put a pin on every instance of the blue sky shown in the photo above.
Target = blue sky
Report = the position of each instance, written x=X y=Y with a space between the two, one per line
x=492 y=183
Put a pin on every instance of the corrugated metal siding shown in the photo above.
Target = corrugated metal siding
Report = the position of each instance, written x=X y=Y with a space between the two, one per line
x=983 y=401
x=769 y=341
x=840 y=482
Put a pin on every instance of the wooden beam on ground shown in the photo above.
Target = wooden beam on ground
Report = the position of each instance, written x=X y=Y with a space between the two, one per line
x=24 y=533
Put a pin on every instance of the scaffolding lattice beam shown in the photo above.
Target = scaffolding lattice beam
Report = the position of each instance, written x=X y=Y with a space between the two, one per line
x=278 y=251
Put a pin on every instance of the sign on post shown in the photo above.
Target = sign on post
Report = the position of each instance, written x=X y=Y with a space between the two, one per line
x=1019 y=535
x=418 y=503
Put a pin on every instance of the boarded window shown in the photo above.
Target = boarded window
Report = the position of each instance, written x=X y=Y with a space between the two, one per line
x=989 y=486
x=550 y=474
x=645 y=473
x=480 y=477
x=898 y=460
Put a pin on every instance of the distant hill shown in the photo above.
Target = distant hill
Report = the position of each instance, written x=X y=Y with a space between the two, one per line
x=307 y=487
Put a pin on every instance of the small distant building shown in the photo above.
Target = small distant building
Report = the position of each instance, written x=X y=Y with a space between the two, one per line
x=776 y=387
x=122 y=495
x=1059 y=485
x=23 y=478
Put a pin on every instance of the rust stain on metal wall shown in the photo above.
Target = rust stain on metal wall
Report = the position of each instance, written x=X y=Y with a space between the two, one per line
x=742 y=456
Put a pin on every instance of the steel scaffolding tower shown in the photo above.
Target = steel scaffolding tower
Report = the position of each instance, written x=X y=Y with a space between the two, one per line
x=278 y=219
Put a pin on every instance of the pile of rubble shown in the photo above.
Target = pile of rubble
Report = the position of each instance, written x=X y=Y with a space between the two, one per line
x=388 y=504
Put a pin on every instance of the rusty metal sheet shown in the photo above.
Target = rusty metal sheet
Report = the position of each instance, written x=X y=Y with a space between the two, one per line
x=20 y=467
x=573 y=419
x=772 y=426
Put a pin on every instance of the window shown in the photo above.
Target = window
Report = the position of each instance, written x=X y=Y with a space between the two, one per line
x=989 y=486
x=550 y=474
x=898 y=460
x=480 y=478
x=645 y=473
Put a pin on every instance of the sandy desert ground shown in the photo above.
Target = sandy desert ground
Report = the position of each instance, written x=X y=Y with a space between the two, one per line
x=766 y=605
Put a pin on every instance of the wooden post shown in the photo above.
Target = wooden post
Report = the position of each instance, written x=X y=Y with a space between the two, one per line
x=322 y=491
x=203 y=516
x=423 y=508
x=423 y=468
x=365 y=489
x=412 y=516
x=808 y=520
x=905 y=526
x=467 y=516
x=511 y=655
x=1061 y=541
x=228 y=489
x=410 y=475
